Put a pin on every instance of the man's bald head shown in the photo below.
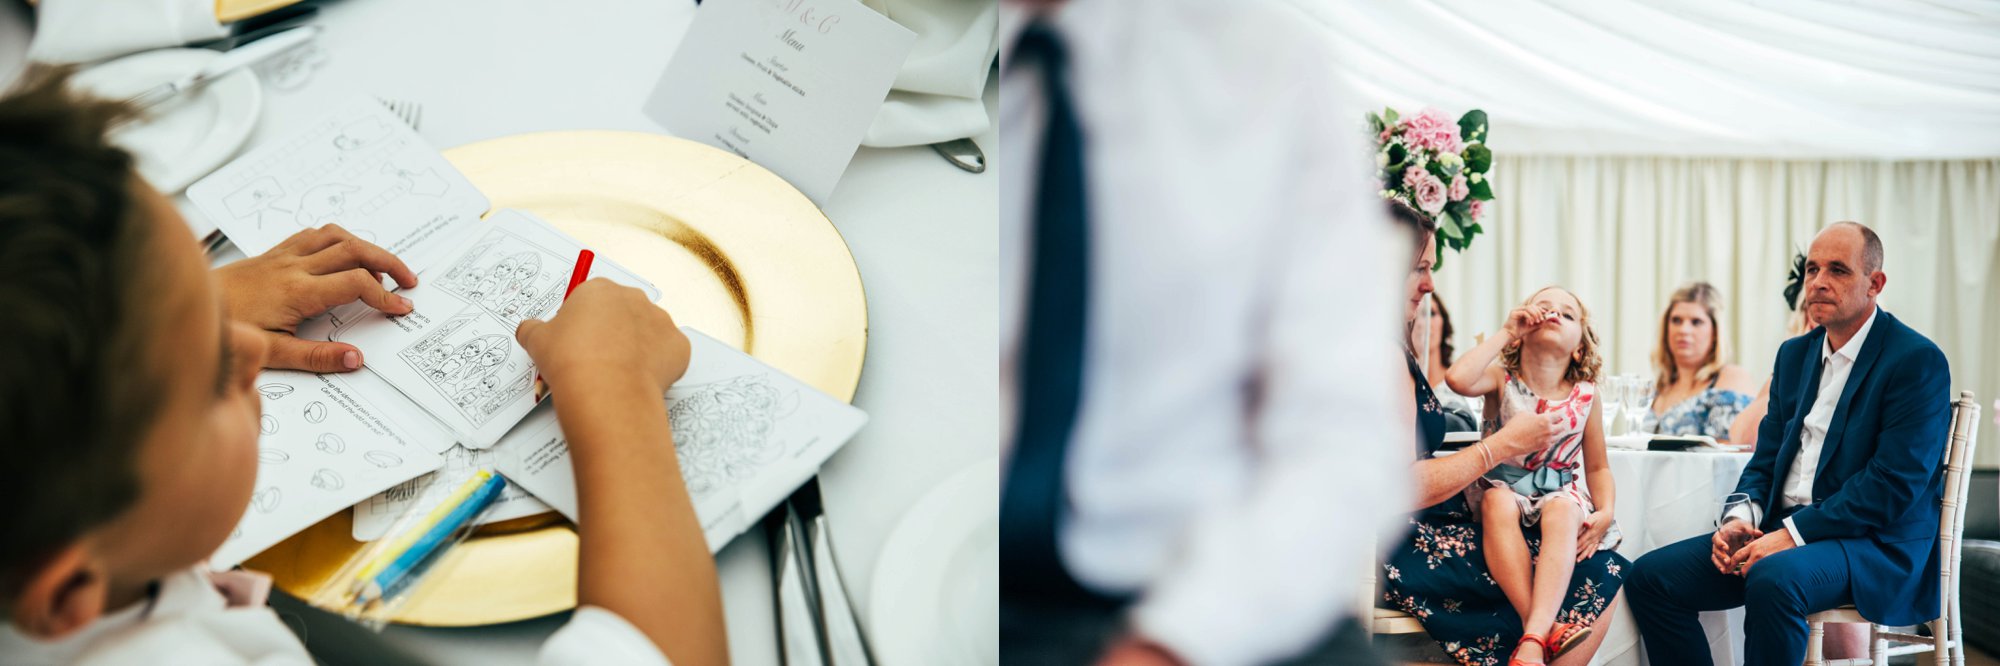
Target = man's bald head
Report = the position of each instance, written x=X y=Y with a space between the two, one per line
x=1843 y=277
x=1871 y=244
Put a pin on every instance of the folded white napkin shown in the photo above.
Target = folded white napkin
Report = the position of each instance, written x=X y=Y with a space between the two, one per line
x=938 y=95
x=70 y=31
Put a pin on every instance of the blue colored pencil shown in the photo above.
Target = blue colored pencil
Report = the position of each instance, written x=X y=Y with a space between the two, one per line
x=398 y=572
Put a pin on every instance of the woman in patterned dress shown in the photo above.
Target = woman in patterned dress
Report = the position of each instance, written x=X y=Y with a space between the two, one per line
x=1698 y=392
x=1438 y=574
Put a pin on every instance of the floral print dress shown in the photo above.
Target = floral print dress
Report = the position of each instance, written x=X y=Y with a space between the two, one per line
x=1708 y=413
x=1556 y=471
x=1438 y=574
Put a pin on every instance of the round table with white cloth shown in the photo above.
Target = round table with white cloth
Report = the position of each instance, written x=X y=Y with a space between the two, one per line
x=1663 y=497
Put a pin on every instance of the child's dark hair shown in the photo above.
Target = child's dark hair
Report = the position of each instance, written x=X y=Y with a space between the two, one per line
x=76 y=388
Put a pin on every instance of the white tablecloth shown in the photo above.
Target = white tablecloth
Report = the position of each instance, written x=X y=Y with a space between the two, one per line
x=1664 y=497
x=922 y=233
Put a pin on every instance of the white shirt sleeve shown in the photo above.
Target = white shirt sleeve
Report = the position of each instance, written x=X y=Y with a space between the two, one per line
x=598 y=636
x=1793 y=530
x=1747 y=511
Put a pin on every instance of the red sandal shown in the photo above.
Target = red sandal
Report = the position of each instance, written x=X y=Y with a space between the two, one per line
x=1563 y=638
x=1513 y=659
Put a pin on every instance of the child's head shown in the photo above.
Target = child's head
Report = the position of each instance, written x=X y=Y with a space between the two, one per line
x=128 y=409
x=1567 y=334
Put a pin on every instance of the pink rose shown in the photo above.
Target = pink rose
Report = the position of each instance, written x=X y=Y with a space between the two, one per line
x=1477 y=207
x=1459 y=190
x=1431 y=130
x=1426 y=189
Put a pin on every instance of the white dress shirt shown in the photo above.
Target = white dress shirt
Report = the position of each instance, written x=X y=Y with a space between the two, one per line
x=1832 y=380
x=1238 y=440
x=188 y=621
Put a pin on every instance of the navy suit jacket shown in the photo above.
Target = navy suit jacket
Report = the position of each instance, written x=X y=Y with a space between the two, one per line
x=1877 y=491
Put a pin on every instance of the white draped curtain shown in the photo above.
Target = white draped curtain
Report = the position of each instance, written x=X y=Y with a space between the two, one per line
x=1623 y=232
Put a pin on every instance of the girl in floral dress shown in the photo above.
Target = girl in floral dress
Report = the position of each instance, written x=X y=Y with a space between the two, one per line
x=1547 y=363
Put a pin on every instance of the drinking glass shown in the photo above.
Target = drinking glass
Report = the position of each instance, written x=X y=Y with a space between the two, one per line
x=1738 y=540
x=1638 y=400
x=1613 y=394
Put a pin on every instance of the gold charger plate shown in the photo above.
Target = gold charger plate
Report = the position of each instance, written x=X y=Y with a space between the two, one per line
x=736 y=252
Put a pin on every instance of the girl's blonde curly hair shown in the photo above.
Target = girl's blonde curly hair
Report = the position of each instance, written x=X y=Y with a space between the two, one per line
x=1584 y=364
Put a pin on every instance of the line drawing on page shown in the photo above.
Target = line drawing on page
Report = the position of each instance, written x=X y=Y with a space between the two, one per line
x=508 y=277
x=472 y=363
x=360 y=133
x=268 y=499
x=723 y=429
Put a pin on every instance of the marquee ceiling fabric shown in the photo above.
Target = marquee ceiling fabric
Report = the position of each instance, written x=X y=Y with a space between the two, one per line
x=1884 y=79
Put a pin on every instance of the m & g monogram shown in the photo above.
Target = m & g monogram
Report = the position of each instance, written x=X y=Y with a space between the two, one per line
x=808 y=18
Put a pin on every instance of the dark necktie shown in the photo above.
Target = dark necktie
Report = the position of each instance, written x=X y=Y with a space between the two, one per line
x=1052 y=355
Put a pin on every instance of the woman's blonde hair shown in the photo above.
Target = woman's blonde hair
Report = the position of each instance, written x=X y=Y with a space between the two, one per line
x=1583 y=365
x=1710 y=300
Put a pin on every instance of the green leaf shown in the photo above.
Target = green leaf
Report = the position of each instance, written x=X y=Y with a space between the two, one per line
x=1397 y=154
x=1482 y=190
x=1438 y=262
x=1388 y=115
x=1374 y=123
x=1478 y=158
x=1472 y=126
x=1437 y=169
x=1474 y=229
x=1449 y=225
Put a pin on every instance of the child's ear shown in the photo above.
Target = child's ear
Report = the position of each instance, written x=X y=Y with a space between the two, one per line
x=65 y=593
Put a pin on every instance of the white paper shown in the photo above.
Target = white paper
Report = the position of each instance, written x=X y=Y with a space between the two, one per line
x=789 y=84
x=322 y=448
x=359 y=167
x=374 y=517
x=746 y=434
x=455 y=355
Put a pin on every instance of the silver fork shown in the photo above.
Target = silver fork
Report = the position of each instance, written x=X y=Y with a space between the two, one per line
x=411 y=113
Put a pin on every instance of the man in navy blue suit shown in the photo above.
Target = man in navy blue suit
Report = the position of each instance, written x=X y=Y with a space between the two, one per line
x=1844 y=484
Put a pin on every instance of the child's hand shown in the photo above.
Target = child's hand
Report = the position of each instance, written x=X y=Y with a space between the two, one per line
x=313 y=271
x=1522 y=320
x=604 y=332
x=1591 y=535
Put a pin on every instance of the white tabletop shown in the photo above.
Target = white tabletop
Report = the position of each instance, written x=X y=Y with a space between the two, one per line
x=924 y=234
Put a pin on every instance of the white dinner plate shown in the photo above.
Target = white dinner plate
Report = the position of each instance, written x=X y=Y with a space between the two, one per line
x=936 y=600
x=181 y=140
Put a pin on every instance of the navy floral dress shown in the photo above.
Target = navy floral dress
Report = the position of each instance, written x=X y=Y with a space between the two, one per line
x=1439 y=574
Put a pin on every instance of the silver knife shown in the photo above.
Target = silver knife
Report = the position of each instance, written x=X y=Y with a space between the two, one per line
x=841 y=636
x=799 y=636
x=228 y=62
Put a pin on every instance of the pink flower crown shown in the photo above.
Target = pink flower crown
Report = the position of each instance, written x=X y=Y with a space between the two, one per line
x=1437 y=169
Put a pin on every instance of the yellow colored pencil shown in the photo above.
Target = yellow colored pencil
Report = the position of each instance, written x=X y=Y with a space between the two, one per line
x=417 y=531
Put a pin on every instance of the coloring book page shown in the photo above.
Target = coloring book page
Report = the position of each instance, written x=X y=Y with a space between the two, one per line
x=374 y=517
x=359 y=167
x=455 y=355
x=746 y=435
x=321 y=448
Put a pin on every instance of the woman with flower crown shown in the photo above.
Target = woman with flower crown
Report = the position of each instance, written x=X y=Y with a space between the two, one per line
x=1434 y=177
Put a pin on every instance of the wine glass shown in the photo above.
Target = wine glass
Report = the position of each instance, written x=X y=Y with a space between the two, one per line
x=1613 y=394
x=1638 y=400
x=1736 y=540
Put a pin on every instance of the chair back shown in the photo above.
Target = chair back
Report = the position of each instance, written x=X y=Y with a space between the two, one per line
x=1963 y=437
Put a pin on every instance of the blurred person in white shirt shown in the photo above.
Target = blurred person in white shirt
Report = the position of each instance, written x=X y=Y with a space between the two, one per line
x=1197 y=296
